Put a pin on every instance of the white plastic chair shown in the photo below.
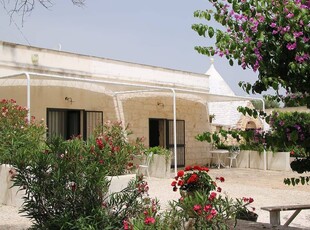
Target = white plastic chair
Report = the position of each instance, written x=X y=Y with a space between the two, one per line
x=145 y=165
x=233 y=153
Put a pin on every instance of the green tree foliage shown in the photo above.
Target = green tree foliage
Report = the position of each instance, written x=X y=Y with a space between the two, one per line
x=268 y=36
x=270 y=103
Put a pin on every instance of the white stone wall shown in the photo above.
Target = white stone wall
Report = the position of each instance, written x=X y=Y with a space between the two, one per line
x=138 y=111
x=18 y=58
x=54 y=97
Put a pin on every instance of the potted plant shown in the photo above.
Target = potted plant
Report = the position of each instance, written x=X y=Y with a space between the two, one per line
x=202 y=203
x=290 y=133
x=242 y=210
x=193 y=179
x=160 y=163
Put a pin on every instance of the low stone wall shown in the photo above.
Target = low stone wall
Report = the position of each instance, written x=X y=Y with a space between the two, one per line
x=243 y=159
x=9 y=195
x=278 y=161
x=257 y=160
x=118 y=183
x=13 y=197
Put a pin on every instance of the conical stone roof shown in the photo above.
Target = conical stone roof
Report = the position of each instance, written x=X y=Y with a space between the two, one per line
x=216 y=83
x=225 y=112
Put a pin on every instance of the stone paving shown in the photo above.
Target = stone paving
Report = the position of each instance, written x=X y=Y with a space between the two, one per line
x=266 y=187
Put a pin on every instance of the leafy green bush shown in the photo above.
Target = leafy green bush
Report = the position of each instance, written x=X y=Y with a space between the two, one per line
x=66 y=187
x=219 y=139
x=110 y=144
x=62 y=184
x=18 y=136
x=65 y=181
x=290 y=129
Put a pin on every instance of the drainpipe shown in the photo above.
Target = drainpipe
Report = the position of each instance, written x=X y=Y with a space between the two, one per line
x=175 y=131
x=28 y=96
x=265 y=153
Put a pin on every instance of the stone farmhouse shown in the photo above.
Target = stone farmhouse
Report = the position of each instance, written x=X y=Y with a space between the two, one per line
x=74 y=93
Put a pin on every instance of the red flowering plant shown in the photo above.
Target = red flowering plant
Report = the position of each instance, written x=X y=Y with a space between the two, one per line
x=19 y=137
x=202 y=201
x=66 y=187
x=245 y=212
x=193 y=179
x=113 y=149
x=148 y=218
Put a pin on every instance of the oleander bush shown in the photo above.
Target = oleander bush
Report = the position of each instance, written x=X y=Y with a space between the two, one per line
x=66 y=186
x=19 y=137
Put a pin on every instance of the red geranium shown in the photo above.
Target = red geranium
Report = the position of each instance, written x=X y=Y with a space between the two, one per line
x=194 y=178
x=180 y=173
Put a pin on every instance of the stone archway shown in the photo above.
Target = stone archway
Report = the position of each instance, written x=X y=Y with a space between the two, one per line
x=250 y=125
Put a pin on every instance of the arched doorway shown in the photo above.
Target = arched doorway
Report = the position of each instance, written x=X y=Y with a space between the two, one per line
x=250 y=125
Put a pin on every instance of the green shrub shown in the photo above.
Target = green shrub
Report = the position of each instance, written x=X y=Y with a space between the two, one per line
x=18 y=136
x=290 y=129
x=111 y=146
x=66 y=187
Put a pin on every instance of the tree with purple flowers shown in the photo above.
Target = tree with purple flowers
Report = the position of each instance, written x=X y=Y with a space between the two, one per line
x=270 y=37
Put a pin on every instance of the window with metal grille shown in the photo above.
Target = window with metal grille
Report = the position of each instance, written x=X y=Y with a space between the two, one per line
x=67 y=123
x=92 y=120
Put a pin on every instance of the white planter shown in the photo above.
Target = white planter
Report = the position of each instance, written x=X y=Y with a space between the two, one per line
x=256 y=160
x=279 y=161
x=243 y=159
x=118 y=183
x=160 y=167
x=9 y=195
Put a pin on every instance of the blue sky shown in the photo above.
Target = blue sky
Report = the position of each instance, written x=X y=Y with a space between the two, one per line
x=156 y=33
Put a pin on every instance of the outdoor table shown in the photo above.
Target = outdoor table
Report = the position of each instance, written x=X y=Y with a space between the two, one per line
x=219 y=153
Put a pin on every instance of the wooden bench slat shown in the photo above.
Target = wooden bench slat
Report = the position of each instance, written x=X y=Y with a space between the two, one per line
x=274 y=212
x=286 y=207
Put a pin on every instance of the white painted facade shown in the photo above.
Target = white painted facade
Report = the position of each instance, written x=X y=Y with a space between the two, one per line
x=57 y=95
x=19 y=58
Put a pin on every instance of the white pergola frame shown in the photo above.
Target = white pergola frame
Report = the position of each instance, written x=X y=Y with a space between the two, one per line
x=145 y=88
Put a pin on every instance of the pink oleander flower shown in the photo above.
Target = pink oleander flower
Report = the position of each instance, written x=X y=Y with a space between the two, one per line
x=291 y=46
x=149 y=220
x=289 y=15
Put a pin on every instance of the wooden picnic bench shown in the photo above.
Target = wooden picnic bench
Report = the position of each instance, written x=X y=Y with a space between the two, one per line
x=274 y=212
